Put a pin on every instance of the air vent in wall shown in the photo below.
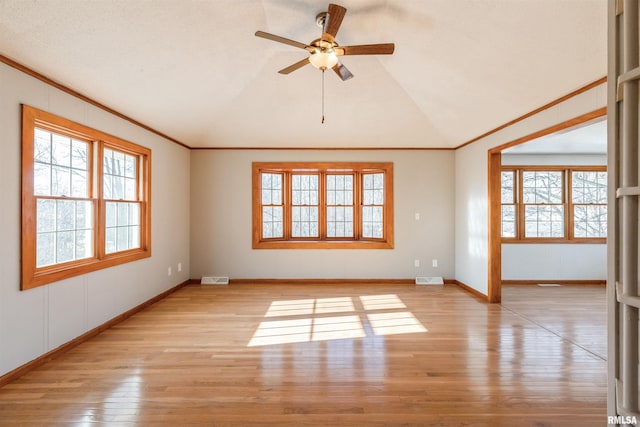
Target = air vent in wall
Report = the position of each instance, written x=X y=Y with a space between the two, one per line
x=214 y=280
x=429 y=281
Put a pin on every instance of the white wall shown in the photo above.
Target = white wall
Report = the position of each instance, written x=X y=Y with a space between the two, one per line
x=523 y=261
x=36 y=321
x=554 y=262
x=221 y=219
x=471 y=180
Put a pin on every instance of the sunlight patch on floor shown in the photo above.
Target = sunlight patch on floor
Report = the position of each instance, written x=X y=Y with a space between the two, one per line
x=317 y=325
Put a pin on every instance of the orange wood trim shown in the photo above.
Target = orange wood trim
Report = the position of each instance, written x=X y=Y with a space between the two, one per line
x=545 y=240
x=41 y=360
x=84 y=98
x=527 y=168
x=495 y=248
x=31 y=276
x=538 y=110
x=331 y=148
x=322 y=168
x=28 y=208
x=566 y=190
x=559 y=282
x=241 y=281
x=600 y=112
x=495 y=222
x=323 y=244
x=482 y=297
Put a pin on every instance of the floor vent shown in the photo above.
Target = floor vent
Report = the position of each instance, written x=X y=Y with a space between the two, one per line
x=548 y=285
x=214 y=280
x=429 y=281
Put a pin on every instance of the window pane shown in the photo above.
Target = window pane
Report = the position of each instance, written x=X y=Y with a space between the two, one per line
x=590 y=221
x=110 y=240
x=508 y=221
x=84 y=215
x=272 y=222
x=65 y=215
x=507 y=187
x=46 y=216
x=79 y=155
x=65 y=246
x=60 y=181
x=64 y=231
x=130 y=189
x=589 y=187
x=45 y=249
x=130 y=167
x=122 y=219
x=84 y=244
x=372 y=222
x=42 y=146
x=79 y=183
x=117 y=188
x=41 y=179
x=61 y=150
x=119 y=180
x=544 y=221
x=542 y=186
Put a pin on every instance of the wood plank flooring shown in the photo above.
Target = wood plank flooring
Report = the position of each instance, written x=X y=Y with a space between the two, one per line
x=328 y=355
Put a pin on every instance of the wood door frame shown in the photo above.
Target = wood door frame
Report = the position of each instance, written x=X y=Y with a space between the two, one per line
x=494 y=166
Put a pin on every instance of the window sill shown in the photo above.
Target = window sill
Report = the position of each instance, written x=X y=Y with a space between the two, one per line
x=56 y=273
x=545 y=241
x=323 y=244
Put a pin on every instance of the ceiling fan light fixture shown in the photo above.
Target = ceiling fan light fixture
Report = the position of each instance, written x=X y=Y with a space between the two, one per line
x=323 y=59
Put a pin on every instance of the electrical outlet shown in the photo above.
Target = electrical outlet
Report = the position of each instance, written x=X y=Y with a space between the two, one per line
x=169 y=271
x=417 y=216
x=179 y=266
x=416 y=263
x=434 y=262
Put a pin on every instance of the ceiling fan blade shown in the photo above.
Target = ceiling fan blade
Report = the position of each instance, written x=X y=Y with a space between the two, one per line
x=279 y=39
x=342 y=71
x=366 y=49
x=295 y=66
x=335 y=15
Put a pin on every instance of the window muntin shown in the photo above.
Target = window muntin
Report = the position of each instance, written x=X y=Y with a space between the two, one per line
x=76 y=217
x=554 y=203
x=324 y=205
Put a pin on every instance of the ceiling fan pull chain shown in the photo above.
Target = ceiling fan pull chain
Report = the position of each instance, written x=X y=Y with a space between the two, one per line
x=322 y=96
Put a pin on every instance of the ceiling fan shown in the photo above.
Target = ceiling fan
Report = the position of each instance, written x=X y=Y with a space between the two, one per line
x=324 y=52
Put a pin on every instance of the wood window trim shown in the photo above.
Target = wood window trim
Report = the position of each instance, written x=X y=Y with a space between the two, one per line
x=32 y=276
x=324 y=168
x=568 y=204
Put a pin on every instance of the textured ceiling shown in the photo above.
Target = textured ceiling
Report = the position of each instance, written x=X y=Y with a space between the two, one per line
x=195 y=71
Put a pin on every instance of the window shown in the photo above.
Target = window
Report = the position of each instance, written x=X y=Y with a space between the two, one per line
x=85 y=199
x=589 y=199
x=322 y=205
x=554 y=204
x=543 y=200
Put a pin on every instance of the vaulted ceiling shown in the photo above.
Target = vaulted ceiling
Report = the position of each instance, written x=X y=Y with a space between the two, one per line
x=193 y=69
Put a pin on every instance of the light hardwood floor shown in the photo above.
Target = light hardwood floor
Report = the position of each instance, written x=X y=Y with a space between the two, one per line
x=332 y=355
